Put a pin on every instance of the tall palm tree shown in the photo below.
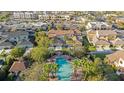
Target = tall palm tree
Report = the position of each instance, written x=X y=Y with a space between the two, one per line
x=3 y=55
x=54 y=69
x=47 y=69
x=76 y=64
x=86 y=67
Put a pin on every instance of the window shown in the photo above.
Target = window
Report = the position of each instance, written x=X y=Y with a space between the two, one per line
x=121 y=62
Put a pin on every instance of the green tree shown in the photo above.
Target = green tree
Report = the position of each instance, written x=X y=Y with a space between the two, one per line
x=9 y=59
x=10 y=77
x=58 y=26
x=54 y=69
x=109 y=71
x=2 y=75
x=3 y=55
x=39 y=54
x=50 y=68
x=76 y=64
x=32 y=73
x=51 y=52
x=49 y=27
x=79 y=51
x=17 y=52
x=42 y=39
x=91 y=70
x=67 y=52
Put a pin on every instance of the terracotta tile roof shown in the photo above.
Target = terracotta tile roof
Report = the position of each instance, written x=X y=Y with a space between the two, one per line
x=91 y=32
x=102 y=42
x=119 y=42
x=106 y=32
x=115 y=56
x=53 y=33
x=17 y=66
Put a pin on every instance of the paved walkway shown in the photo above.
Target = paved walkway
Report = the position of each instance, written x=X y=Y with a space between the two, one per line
x=105 y=51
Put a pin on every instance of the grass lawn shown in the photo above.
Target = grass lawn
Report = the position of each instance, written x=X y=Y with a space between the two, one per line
x=100 y=55
x=92 y=48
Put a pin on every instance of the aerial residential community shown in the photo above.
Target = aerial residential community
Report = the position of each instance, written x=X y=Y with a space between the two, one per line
x=61 y=46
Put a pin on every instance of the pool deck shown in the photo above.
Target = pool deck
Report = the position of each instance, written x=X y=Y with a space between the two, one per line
x=78 y=75
x=53 y=58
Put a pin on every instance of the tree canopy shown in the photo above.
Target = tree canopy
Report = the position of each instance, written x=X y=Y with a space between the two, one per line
x=95 y=70
x=42 y=39
x=39 y=54
x=17 y=52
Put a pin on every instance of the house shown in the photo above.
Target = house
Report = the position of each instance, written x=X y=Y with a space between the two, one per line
x=78 y=19
x=119 y=44
x=31 y=32
x=102 y=44
x=98 y=26
x=6 y=45
x=117 y=59
x=94 y=35
x=62 y=33
x=44 y=27
x=17 y=67
x=24 y=44
x=65 y=38
x=66 y=26
x=102 y=39
x=119 y=19
x=45 y=17
x=120 y=33
x=106 y=34
x=25 y=15
x=16 y=36
x=3 y=39
x=38 y=24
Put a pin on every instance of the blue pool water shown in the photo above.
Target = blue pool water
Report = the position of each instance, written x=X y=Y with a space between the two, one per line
x=65 y=69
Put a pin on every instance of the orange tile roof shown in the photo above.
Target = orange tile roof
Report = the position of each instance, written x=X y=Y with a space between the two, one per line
x=106 y=32
x=17 y=66
x=53 y=33
x=102 y=42
x=91 y=32
x=115 y=56
x=119 y=42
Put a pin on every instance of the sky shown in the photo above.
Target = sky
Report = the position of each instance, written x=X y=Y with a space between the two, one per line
x=83 y=5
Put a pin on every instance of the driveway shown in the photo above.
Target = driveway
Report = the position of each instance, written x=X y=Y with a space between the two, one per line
x=99 y=49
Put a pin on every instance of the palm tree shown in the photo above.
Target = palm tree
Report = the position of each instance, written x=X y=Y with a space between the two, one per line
x=88 y=68
x=76 y=64
x=3 y=55
x=54 y=69
x=47 y=69
x=50 y=69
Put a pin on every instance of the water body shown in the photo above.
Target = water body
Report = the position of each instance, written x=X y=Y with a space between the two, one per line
x=65 y=69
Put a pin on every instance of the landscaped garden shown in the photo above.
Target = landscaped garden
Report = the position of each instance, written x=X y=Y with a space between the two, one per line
x=68 y=64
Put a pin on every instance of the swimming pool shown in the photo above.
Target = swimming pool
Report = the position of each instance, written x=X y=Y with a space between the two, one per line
x=65 y=69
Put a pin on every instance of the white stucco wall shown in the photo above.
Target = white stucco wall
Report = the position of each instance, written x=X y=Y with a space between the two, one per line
x=119 y=64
